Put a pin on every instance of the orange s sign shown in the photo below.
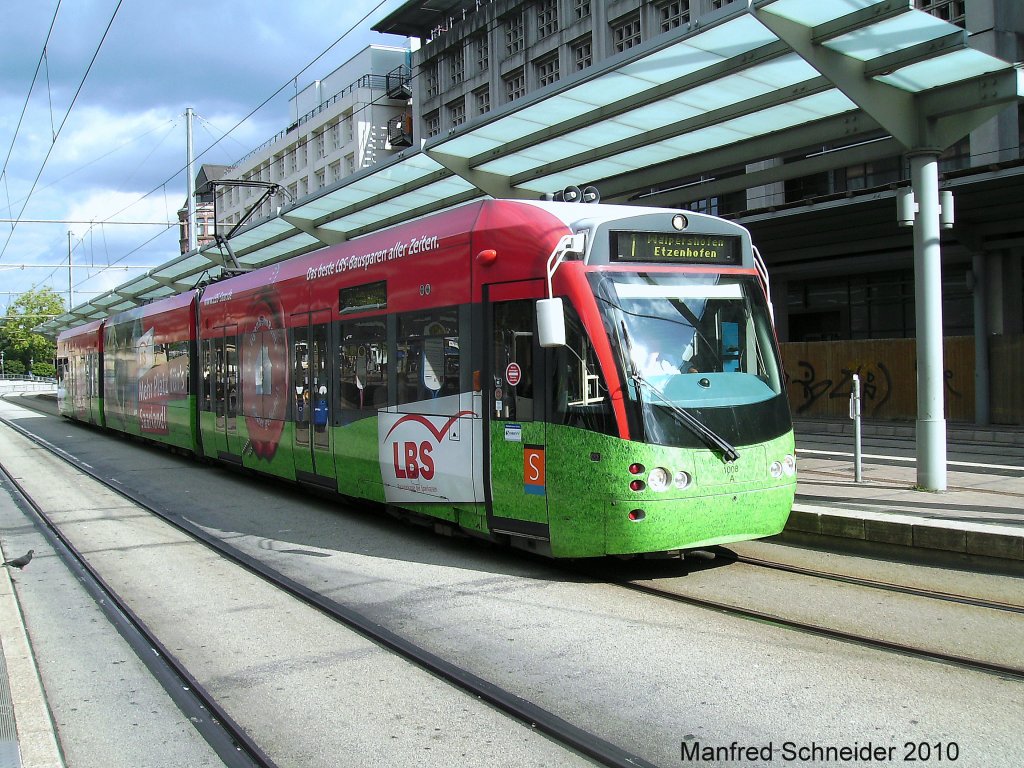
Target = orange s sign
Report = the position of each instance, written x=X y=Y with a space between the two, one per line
x=533 y=469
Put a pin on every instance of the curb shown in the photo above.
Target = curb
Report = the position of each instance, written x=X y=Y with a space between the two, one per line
x=907 y=536
x=36 y=739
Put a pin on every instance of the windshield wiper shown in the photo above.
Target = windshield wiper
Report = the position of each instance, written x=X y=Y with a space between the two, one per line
x=707 y=435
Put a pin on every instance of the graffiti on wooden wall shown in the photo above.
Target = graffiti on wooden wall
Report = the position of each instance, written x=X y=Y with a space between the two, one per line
x=875 y=386
x=819 y=377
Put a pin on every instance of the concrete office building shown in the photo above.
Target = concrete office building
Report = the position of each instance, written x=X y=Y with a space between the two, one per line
x=338 y=126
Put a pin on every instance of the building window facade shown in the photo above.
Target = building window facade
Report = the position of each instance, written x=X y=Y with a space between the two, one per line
x=582 y=53
x=547 y=18
x=515 y=84
x=673 y=14
x=953 y=11
x=432 y=88
x=432 y=123
x=483 y=53
x=457 y=65
x=626 y=33
x=581 y=9
x=456 y=112
x=482 y=98
x=879 y=305
x=546 y=69
x=515 y=34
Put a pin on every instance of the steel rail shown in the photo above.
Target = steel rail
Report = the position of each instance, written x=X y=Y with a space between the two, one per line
x=514 y=706
x=952 y=597
x=226 y=737
x=821 y=631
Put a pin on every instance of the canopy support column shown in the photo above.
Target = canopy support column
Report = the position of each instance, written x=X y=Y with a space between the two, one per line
x=931 y=422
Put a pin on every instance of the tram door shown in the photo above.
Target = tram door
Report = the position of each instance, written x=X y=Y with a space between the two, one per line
x=516 y=427
x=225 y=392
x=313 y=390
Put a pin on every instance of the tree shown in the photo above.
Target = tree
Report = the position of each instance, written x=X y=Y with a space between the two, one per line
x=27 y=311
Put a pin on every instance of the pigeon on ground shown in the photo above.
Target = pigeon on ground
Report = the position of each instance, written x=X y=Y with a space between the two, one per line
x=20 y=562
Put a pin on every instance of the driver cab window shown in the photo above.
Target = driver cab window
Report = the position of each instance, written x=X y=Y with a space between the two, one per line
x=580 y=391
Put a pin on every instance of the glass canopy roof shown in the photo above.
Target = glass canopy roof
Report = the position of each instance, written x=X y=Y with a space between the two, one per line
x=693 y=102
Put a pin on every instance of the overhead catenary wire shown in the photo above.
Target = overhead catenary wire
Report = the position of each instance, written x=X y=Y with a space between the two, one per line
x=218 y=141
x=56 y=134
x=260 y=106
x=31 y=87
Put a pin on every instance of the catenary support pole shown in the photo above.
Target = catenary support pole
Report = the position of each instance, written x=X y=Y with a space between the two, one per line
x=931 y=422
x=191 y=183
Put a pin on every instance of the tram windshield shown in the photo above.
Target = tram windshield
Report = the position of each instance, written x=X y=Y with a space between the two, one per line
x=698 y=356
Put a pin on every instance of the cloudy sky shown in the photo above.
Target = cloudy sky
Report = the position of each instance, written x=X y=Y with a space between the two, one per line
x=123 y=136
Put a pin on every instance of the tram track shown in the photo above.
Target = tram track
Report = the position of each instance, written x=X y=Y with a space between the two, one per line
x=886 y=586
x=680 y=593
x=527 y=713
x=227 y=738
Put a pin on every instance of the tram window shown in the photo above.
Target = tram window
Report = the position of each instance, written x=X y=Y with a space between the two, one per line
x=178 y=359
x=362 y=366
x=363 y=298
x=513 y=344
x=231 y=378
x=580 y=392
x=207 y=376
x=427 y=364
x=300 y=378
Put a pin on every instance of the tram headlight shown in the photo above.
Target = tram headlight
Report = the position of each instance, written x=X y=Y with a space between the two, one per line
x=681 y=480
x=659 y=479
x=789 y=465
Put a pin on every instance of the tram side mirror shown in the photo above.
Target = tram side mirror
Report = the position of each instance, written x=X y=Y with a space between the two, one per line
x=550 y=323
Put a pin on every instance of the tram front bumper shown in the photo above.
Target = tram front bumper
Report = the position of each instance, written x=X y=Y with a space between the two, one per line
x=633 y=527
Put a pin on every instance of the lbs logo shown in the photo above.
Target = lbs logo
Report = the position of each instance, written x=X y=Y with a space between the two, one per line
x=423 y=455
x=415 y=461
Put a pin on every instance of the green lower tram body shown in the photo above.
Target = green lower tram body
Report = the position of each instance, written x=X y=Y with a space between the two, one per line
x=584 y=507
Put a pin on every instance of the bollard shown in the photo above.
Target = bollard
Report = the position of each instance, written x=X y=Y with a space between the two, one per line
x=855 y=415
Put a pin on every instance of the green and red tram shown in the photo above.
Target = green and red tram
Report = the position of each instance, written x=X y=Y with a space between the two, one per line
x=579 y=380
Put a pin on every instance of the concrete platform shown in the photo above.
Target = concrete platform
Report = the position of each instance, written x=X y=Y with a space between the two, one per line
x=979 y=516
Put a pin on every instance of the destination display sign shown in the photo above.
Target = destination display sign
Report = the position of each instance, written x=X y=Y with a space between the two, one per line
x=675 y=248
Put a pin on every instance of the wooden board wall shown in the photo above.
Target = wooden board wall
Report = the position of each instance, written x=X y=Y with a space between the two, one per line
x=820 y=379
